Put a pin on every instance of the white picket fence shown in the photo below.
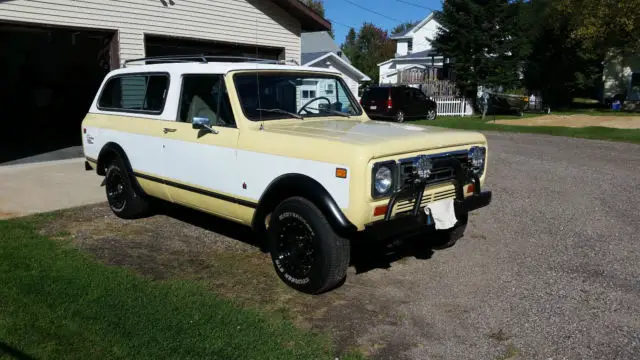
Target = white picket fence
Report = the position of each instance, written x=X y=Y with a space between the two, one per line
x=453 y=106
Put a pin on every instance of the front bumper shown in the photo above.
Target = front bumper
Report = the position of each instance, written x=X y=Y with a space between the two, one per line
x=416 y=220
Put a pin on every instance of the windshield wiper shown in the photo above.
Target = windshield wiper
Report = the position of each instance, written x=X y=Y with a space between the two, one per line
x=280 y=111
x=330 y=111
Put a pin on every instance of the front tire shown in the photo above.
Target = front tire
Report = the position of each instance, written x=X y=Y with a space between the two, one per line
x=124 y=200
x=306 y=252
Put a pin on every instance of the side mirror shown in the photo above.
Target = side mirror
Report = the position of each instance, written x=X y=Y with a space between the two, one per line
x=202 y=125
x=199 y=123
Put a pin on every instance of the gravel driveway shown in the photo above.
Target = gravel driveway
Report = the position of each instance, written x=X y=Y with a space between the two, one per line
x=549 y=271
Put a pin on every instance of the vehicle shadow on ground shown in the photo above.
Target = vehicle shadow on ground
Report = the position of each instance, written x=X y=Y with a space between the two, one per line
x=367 y=253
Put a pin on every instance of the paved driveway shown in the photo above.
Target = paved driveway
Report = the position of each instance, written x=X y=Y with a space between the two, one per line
x=47 y=186
x=549 y=271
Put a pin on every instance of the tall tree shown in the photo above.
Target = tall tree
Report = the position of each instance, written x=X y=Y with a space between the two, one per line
x=485 y=41
x=604 y=23
x=369 y=47
x=318 y=7
x=559 y=66
x=349 y=45
x=403 y=27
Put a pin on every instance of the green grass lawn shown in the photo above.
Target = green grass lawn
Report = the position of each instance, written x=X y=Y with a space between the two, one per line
x=593 y=132
x=58 y=303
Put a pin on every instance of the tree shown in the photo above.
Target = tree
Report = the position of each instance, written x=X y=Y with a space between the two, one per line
x=559 y=66
x=318 y=7
x=369 y=47
x=485 y=41
x=602 y=24
x=349 y=45
x=403 y=27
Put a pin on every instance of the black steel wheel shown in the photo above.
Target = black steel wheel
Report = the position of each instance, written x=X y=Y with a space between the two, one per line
x=124 y=199
x=115 y=185
x=306 y=252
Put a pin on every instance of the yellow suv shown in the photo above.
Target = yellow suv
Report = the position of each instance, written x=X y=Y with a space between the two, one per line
x=284 y=149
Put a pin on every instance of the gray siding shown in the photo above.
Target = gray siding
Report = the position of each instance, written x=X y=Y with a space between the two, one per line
x=250 y=22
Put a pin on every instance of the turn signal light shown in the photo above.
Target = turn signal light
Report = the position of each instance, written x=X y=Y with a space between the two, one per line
x=471 y=188
x=380 y=210
x=341 y=173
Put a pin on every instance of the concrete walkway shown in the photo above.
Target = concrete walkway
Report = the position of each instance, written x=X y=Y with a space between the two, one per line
x=41 y=187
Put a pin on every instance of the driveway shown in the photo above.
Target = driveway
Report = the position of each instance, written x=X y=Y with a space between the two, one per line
x=549 y=271
x=38 y=187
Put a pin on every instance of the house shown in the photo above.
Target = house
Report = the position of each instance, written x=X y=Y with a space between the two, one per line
x=621 y=79
x=414 y=51
x=56 y=53
x=320 y=50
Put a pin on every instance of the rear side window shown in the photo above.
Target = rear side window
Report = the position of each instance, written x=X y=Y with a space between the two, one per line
x=144 y=93
x=378 y=94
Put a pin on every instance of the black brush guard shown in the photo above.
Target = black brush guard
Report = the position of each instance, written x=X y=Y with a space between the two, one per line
x=416 y=217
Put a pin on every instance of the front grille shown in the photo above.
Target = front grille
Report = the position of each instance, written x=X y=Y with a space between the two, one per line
x=407 y=205
x=438 y=175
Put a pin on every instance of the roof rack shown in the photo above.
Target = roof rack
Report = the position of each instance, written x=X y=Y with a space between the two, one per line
x=204 y=59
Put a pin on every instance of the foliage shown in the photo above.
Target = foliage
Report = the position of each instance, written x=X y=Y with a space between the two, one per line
x=486 y=41
x=369 y=47
x=403 y=27
x=57 y=303
x=559 y=66
x=318 y=7
x=603 y=23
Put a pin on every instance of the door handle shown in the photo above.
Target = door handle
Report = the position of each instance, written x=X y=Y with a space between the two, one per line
x=168 y=130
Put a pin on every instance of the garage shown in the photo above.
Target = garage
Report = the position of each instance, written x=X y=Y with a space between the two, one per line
x=56 y=53
x=48 y=77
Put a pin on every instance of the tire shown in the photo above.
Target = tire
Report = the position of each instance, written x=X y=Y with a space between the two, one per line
x=306 y=252
x=400 y=116
x=432 y=114
x=124 y=200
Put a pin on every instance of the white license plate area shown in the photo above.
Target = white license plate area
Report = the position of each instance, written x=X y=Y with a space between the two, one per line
x=373 y=107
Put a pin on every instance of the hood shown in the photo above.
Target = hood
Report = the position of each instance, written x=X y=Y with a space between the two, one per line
x=383 y=138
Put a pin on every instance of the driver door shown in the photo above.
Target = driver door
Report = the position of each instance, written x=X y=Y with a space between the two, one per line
x=199 y=164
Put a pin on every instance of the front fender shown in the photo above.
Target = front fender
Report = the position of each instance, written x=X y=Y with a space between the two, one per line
x=290 y=185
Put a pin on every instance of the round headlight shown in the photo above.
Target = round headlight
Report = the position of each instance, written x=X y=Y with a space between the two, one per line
x=383 y=180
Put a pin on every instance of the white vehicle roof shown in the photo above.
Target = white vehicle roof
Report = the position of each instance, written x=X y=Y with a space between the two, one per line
x=214 y=68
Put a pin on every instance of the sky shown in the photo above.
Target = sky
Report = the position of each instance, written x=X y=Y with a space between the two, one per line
x=344 y=14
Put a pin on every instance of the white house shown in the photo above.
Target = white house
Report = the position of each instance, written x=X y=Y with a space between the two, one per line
x=414 y=50
x=56 y=52
x=319 y=50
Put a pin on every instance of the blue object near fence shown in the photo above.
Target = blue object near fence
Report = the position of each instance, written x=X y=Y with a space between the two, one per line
x=616 y=106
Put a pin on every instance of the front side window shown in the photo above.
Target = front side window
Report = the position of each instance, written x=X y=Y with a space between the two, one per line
x=205 y=96
x=135 y=93
x=283 y=95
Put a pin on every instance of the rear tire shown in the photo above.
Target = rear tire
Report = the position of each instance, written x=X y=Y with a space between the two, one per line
x=399 y=116
x=432 y=114
x=124 y=200
x=306 y=252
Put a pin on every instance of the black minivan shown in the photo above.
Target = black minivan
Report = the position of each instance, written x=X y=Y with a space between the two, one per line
x=397 y=103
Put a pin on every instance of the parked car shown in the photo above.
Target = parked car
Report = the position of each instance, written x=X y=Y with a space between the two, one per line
x=398 y=103
x=286 y=150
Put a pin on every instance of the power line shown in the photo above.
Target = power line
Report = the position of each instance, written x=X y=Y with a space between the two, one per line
x=341 y=24
x=414 y=4
x=372 y=11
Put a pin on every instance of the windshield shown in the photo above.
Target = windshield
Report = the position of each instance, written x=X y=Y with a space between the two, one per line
x=271 y=96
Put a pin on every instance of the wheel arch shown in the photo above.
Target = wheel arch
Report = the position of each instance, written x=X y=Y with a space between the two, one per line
x=112 y=151
x=290 y=185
